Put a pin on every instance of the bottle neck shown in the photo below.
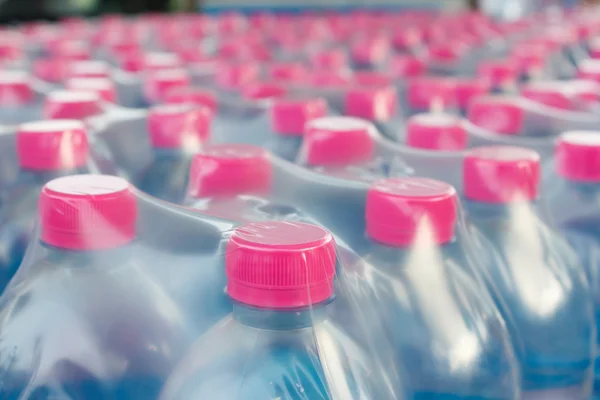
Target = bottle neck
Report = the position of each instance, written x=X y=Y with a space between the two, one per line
x=393 y=259
x=26 y=175
x=171 y=153
x=272 y=319
x=88 y=258
x=479 y=210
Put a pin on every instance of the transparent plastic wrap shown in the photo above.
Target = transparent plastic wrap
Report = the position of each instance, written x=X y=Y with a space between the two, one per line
x=40 y=151
x=571 y=188
x=540 y=285
x=519 y=121
x=21 y=98
x=116 y=286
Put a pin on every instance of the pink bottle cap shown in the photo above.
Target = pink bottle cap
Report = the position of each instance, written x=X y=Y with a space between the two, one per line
x=264 y=90
x=371 y=103
x=192 y=95
x=280 y=265
x=501 y=174
x=338 y=141
x=468 y=89
x=228 y=170
x=158 y=84
x=370 y=50
x=52 y=70
x=290 y=115
x=327 y=79
x=577 y=156
x=405 y=211
x=71 y=50
x=105 y=88
x=406 y=66
x=332 y=59
x=372 y=78
x=231 y=75
x=552 y=94
x=289 y=72
x=406 y=38
x=159 y=61
x=15 y=88
x=52 y=145
x=499 y=73
x=179 y=126
x=87 y=212
x=497 y=114
x=436 y=132
x=90 y=69
x=430 y=93
x=70 y=104
x=444 y=52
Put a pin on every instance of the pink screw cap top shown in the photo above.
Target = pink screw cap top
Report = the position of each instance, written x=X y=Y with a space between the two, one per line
x=577 y=156
x=87 y=212
x=468 y=89
x=105 y=88
x=501 y=174
x=90 y=69
x=280 y=265
x=15 y=88
x=290 y=115
x=430 y=93
x=499 y=73
x=497 y=114
x=371 y=103
x=403 y=211
x=53 y=69
x=158 y=83
x=52 y=145
x=264 y=90
x=325 y=79
x=229 y=169
x=370 y=50
x=436 y=132
x=192 y=95
x=233 y=75
x=552 y=94
x=338 y=141
x=71 y=104
x=179 y=126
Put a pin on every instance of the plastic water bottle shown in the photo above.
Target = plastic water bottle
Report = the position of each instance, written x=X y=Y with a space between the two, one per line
x=453 y=343
x=176 y=132
x=18 y=102
x=85 y=320
x=540 y=283
x=279 y=340
x=572 y=189
x=45 y=150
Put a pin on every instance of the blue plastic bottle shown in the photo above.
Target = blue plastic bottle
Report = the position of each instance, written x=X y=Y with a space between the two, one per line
x=45 y=150
x=432 y=315
x=540 y=285
x=279 y=342
x=176 y=132
x=572 y=187
x=85 y=320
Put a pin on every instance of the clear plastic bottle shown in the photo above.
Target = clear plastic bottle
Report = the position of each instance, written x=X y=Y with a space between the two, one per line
x=539 y=282
x=176 y=132
x=85 y=320
x=45 y=150
x=572 y=187
x=18 y=102
x=279 y=341
x=430 y=312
